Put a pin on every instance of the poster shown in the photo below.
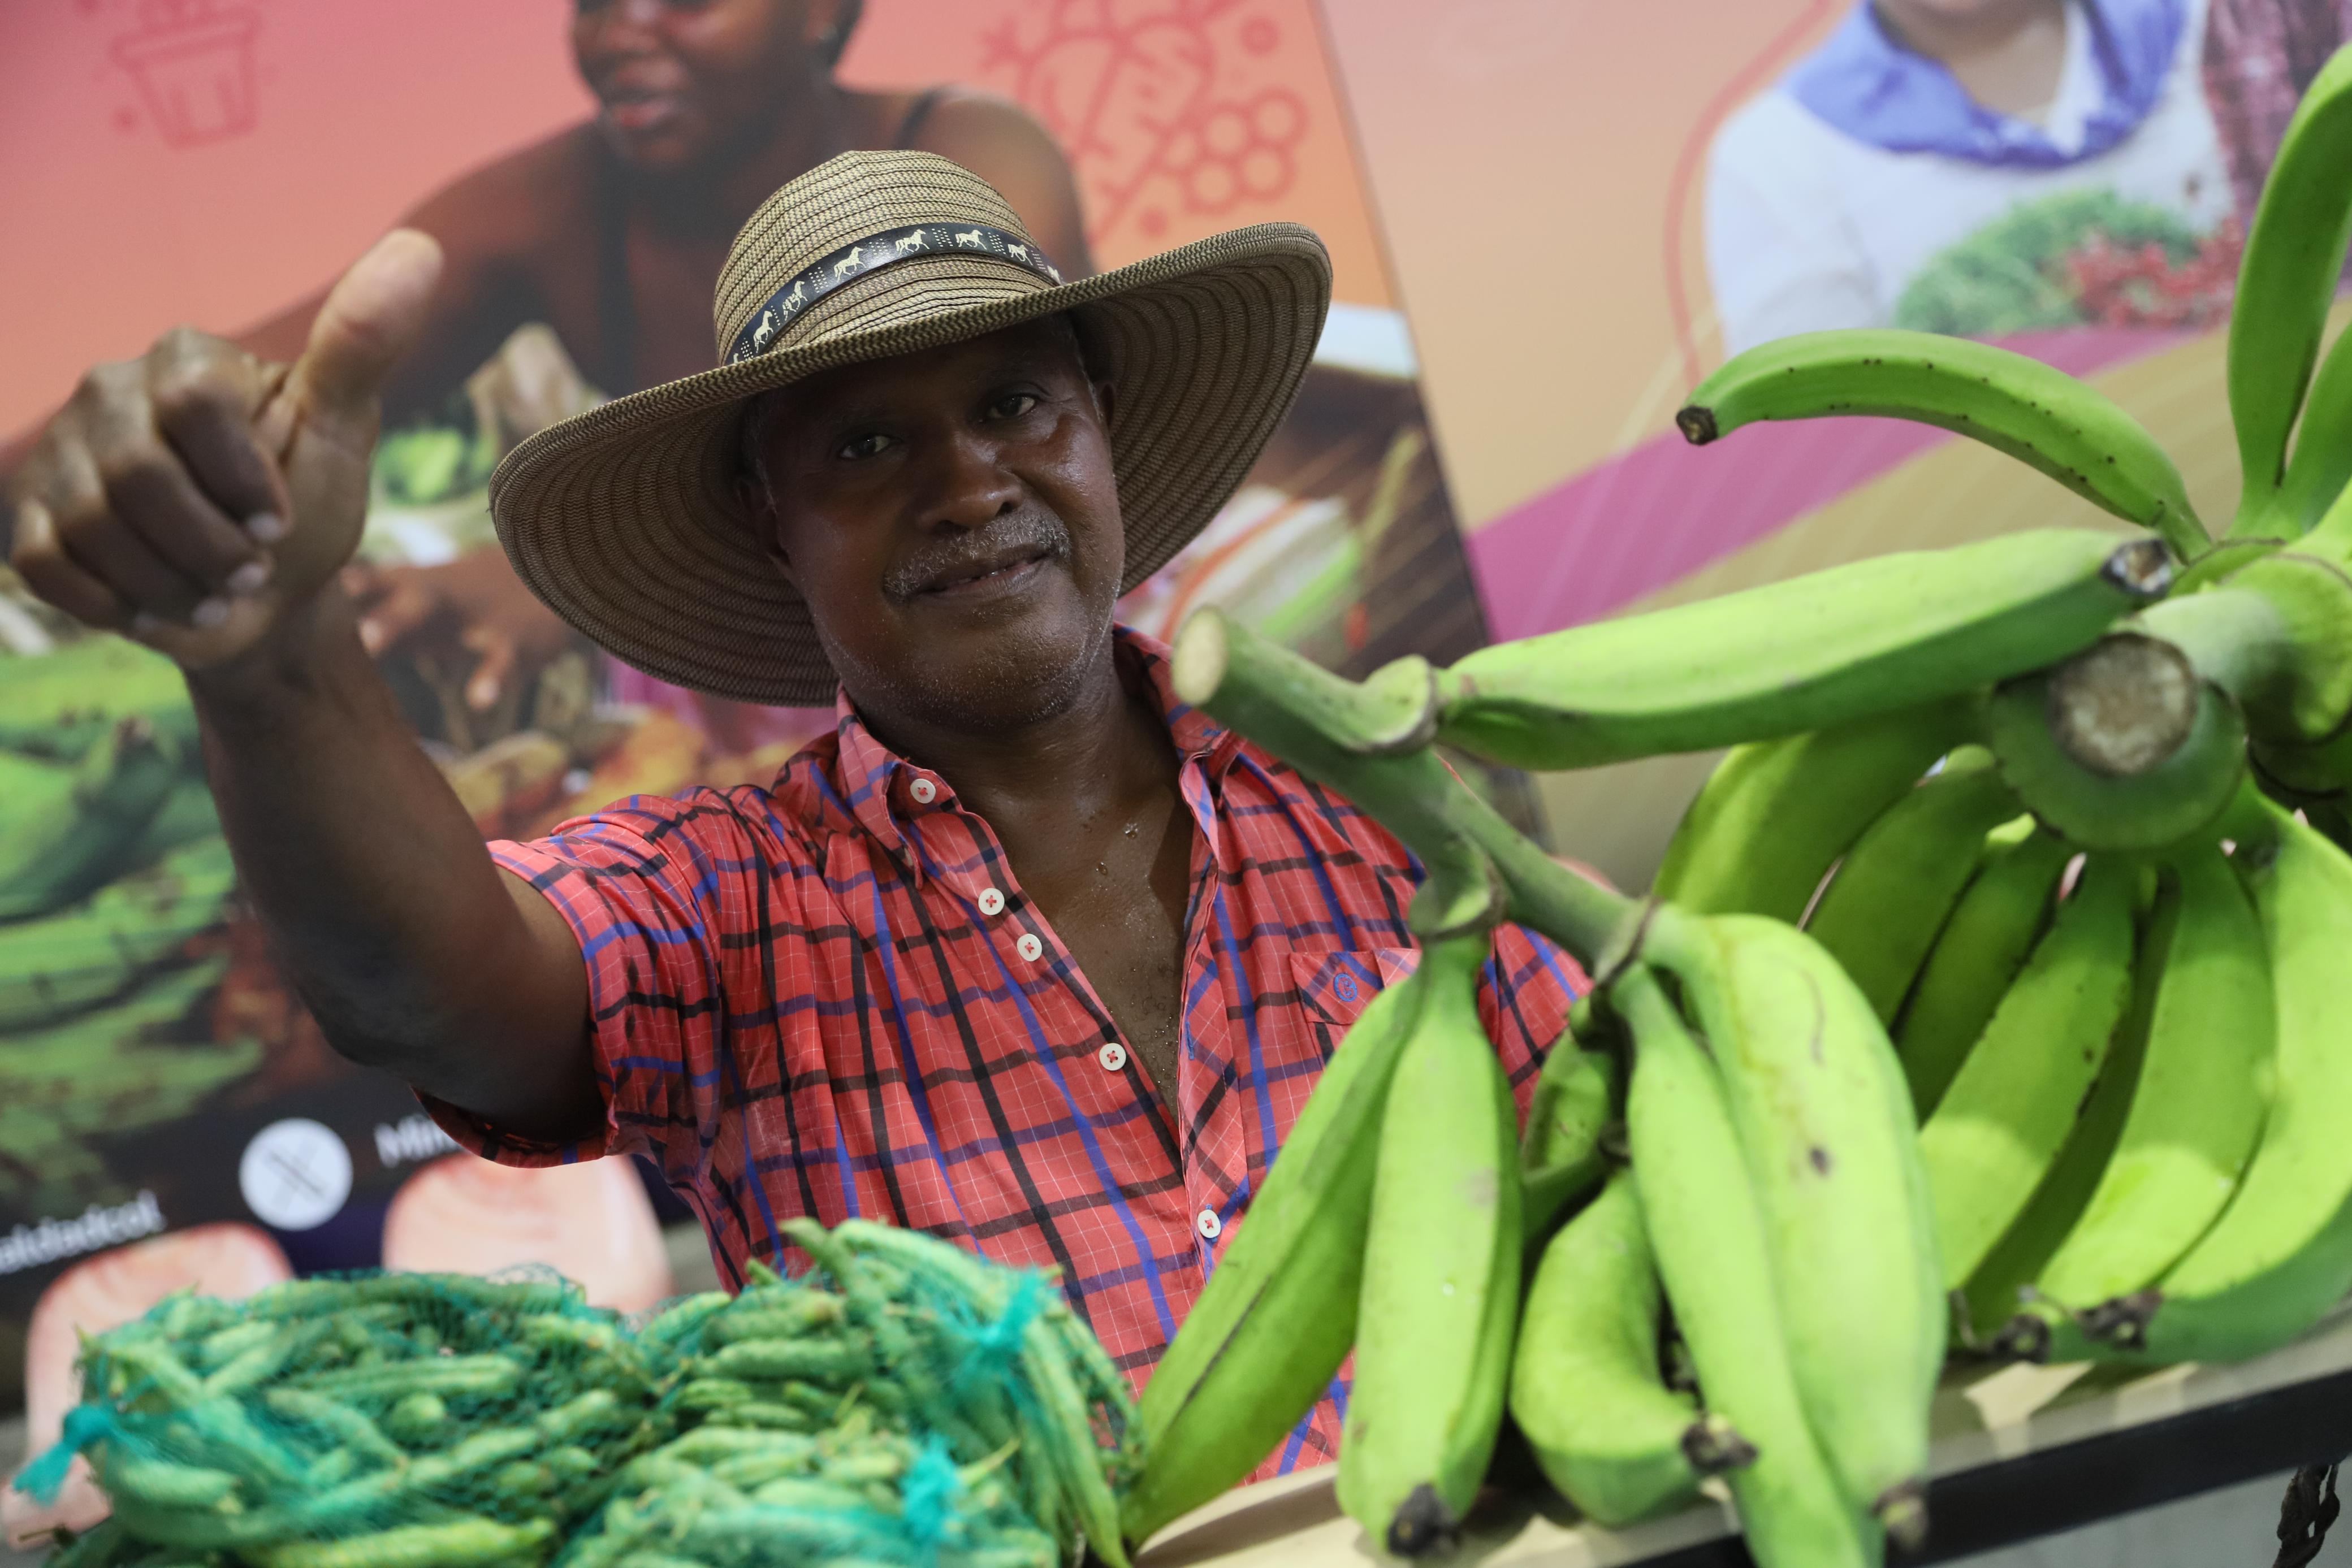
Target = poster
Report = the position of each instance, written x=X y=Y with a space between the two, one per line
x=1587 y=207
x=218 y=162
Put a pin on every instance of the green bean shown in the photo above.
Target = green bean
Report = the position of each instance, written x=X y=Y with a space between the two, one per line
x=813 y=1311
x=682 y=1319
x=575 y=1463
x=591 y=1335
x=754 y=1531
x=260 y=1362
x=765 y=1416
x=523 y=1477
x=333 y=1468
x=159 y=1483
x=819 y=1497
x=454 y=1545
x=345 y=1424
x=788 y=1358
x=784 y=1454
x=479 y=1374
x=223 y=1345
x=714 y=1394
x=417 y=1418
x=155 y=1361
x=582 y=1414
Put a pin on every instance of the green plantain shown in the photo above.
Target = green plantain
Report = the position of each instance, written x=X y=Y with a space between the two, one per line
x=1868 y=637
x=2014 y=403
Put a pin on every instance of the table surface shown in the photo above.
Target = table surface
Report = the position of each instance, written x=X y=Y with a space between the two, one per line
x=2019 y=1452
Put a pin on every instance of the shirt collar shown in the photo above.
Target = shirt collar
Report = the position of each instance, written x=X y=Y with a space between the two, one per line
x=884 y=792
x=1865 y=83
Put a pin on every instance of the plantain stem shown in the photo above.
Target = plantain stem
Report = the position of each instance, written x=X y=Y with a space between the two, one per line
x=1323 y=725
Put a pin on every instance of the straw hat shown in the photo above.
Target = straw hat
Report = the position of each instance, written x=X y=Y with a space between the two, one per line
x=626 y=519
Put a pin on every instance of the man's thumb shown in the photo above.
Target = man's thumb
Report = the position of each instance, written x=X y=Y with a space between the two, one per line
x=371 y=318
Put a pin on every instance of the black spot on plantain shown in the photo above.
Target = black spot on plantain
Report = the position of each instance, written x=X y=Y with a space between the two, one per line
x=1423 y=1524
x=1820 y=1158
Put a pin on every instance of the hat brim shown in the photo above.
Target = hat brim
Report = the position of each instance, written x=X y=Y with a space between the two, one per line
x=626 y=522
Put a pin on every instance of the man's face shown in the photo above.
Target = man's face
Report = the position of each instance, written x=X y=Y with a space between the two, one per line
x=682 y=80
x=953 y=520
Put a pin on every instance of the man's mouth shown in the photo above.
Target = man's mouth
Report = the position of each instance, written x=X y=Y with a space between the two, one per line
x=1000 y=570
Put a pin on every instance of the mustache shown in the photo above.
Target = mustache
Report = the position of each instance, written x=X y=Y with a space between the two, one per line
x=1039 y=532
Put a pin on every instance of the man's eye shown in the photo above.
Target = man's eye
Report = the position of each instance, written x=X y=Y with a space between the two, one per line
x=863 y=446
x=1012 y=405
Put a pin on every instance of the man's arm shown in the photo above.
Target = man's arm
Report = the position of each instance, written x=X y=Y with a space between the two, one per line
x=204 y=500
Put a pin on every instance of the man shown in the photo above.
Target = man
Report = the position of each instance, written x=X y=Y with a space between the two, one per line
x=1027 y=953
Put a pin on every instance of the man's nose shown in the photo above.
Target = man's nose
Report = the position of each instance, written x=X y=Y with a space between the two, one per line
x=970 y=485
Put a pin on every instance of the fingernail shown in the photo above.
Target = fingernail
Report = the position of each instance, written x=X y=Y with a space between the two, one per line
x=267 y=526
x=212 y=613
x=370 y=636
x=482 y=693
x=248 y=577
x=144 y=625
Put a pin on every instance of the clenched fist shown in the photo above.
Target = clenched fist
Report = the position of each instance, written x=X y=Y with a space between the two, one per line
x=195 y=495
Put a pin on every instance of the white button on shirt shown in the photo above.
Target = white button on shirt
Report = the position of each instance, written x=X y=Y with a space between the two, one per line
x=1210 y=1225
x=1029 y=946
x=1113 y=1056
x=923 y=790
x=991 y=903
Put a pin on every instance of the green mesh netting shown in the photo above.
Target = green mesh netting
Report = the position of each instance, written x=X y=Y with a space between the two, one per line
x=905 y=1403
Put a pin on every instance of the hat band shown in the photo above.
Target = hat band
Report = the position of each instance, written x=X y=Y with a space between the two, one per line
x=872 y=254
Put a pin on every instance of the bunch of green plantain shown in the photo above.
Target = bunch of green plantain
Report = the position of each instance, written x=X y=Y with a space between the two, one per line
x=1990 y=993
x=111 y=865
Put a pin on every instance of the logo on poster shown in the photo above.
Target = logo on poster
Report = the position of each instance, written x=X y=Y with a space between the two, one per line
x=30 y=1246
x=295 y=1174
x=193 y=62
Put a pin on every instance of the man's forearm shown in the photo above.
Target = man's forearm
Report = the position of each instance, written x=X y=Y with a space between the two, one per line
x=416 y=953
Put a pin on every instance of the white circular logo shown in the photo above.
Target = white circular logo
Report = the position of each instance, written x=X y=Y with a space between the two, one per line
x=295 y=1174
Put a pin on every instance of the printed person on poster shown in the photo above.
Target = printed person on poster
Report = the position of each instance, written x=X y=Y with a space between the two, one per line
x=610 y=232
x=1841 y=196
x=1026 y=952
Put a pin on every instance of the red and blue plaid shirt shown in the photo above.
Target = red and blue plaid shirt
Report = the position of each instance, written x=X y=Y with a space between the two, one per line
x=831 y=997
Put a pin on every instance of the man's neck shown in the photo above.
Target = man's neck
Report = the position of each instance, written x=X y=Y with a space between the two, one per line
x=1106 y=749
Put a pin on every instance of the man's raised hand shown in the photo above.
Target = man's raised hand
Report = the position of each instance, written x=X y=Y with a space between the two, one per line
x=194 y=497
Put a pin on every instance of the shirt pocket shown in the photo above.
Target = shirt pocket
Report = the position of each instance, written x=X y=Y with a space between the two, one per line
x=1335 y=987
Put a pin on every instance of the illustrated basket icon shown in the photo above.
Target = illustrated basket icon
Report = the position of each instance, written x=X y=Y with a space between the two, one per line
x=193 y=63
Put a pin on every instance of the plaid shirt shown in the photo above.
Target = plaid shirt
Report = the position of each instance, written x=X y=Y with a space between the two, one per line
x=832 y=998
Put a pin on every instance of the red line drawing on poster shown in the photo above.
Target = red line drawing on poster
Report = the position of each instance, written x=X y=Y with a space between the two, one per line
x=1144 y=98
x=193 y=61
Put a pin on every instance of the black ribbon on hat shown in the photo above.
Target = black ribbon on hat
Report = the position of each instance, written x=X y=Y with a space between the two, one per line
x=872 y=254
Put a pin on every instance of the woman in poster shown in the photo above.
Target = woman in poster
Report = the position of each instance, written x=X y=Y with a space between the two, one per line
x=1994 y=166
x=610 y=231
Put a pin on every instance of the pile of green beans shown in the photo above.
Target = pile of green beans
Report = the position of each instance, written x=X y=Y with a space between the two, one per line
x=391 y=1422
x=904 y=1403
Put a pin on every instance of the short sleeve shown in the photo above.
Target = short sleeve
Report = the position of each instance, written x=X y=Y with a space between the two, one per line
x=1523 y=1001
x=657 y=892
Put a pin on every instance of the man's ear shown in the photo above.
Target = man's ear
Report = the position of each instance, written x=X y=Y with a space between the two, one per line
x=760 y=517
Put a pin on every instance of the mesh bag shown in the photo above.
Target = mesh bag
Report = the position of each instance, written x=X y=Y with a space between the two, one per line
x=380 y=1420
x=904 y=1403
